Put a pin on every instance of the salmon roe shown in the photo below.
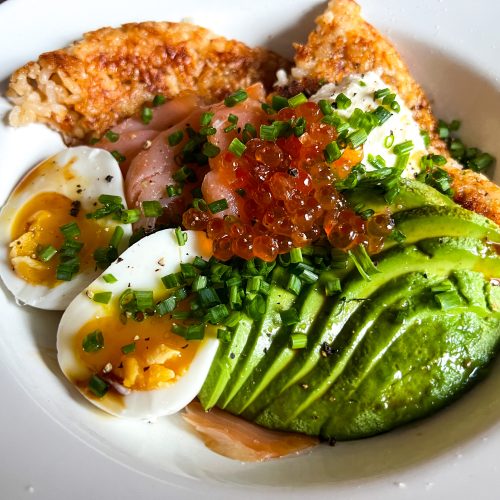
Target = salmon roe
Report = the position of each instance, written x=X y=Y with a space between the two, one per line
x=286 y=196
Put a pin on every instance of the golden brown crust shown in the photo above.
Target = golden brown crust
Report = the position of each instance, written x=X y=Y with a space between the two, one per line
x=343 y=44
x=94 y=83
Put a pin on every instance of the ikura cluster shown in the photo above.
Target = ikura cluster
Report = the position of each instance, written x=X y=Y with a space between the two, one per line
x=285 y=193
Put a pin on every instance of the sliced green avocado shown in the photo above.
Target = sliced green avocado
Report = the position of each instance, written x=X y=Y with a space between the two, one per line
x=279 y=354
x=224 y=362
x=261 y=335
x=412 y=194
x=439 y=257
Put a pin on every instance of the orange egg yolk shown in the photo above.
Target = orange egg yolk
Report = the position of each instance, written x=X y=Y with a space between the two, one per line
x=37 y=225
x=157 y=357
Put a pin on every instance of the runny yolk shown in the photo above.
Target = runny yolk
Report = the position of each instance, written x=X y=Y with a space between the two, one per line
x=158 y=358
x=37 y=225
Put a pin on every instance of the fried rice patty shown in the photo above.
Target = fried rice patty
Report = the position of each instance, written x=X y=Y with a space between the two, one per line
x=344 y=44
x=88 y=87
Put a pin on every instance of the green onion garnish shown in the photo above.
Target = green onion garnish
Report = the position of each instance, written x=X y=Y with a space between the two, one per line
x=394 y=105
x=195 y=332
x=237 y=147
x=296 y=100
x=128 y=349
x=200 y=263
x=381 y=93
x=356 y=138
x=117 y=237
x=206 y=118
x=144 y=299
x=46 y=253
x=224 y=335
x=218 y=206
x=403 y=147
x=268 y=132
x=296 y=255
x=152 y=208
x=267 y=109
x=188 y=271
x=67 y=269
x=130 y=216
x=102 y=297
x=70 y=230
x=362 y=261
x=342 y=101
x=146 y=115
x=180 y=236
x=118 y=156
x=298 y=340
x=332 y=286
x=448 y=300
x=159 y=99
x=294 y=284
x=173 y=190
x=381 y=114
x=166 y=306
x=210 y=150
x=98 y=386
x=279 y=102
x=111 y=136
x=235 y=98
x=389 y=140
x=290 y=316
x=93 y=342
x=110 y=199
x=308 y=276
x=208 y=296
x=217 y=314
x=109 y=278
x=326 y=107
x=256 y=307
x=199 y=282
x=175 y=138
x=332 y=152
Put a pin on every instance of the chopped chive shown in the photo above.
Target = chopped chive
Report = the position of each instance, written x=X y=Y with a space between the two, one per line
x=159 y=99
x=208 y=296
x=217 y=314
x=67 y=269
x=195 y=332
x=235 y=98
x=144 y=299
x=130 y=216
x=381 y=114
x=362 y=261
x=146 y=115
x=294 y=284
x=188 y=271
x=93 y=342
x=249 y=132
x=377 y=161
x=332 y=286
x=256 y=307
x=403 y=147
x=395 y=106
x=102 y=297
x=98 y=386
x=481 y=162
x=46 y=253
x=111 y=136
x=199 y=282
x=109 y=278
x=296 y=100
x=218 y=206
x=128 y=349
x=290 y=316
x=388 y=99
x=175 y=138
x=224 y=335
x=180 y=236
x=70 y=230
x=298 y=340
x=237 y=147
x=389 y=140
x=426 y=138
x=279 y=102
x=166 y=306
x=206 y=118
x=117 y=237
x=356 y=138
x=308 y=277
x=296 y=256
x=118 y=156
x=268 y=132
x=381 y=93
x=208 y=131
x=232 y=118
x=229 y=128
x=179 y=330
x=326 y=107
x=210 y=150
x=267 y=109
x=173 y=190
x=200 y=263
x=110 y=200
x=152 y=208
x=332 y=152
x=342 y=101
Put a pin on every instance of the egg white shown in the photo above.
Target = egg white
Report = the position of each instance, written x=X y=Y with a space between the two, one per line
x=95 y=172
x=141 y=268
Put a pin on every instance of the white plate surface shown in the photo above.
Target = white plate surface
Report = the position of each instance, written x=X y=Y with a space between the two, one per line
x=54 y=445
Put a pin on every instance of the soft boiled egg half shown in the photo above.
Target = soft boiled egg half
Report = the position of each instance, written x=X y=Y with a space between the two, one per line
x=121 y=354
x=47 y=240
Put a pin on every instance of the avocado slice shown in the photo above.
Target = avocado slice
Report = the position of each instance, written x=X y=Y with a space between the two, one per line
x=279 y=353
x=437 y=256
x=225 y=360
x=261 y=335
x=412 y=194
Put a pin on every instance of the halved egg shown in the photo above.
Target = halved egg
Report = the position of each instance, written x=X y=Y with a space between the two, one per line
x=119 y=353
x=47 y=242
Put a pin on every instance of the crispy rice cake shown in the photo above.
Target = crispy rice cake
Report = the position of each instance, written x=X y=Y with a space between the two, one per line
x=343 y=44
x=94 y=83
